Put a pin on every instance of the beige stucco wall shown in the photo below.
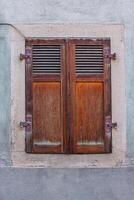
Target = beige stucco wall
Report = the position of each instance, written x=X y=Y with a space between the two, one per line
x=19 y=157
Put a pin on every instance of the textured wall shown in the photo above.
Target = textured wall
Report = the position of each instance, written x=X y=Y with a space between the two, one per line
x=4 y=97
x=95 y=184
x=71 y=184
x=40 y=11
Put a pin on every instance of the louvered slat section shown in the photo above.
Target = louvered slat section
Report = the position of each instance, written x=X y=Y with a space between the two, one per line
x=89 y=59
x=46 y=59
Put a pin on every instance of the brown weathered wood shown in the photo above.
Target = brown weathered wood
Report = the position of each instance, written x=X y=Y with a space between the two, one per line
x=67 y=98
x=64 y=97
x=90 y=103
x=47 y=124
x=29 y=97
x=46 y=78
x=107 y=95
x=90 y=149
x=71 y=98
x=44 y=41
x=89 y=41
x=69 y=111
x=89 y=113
x=91 y=78
x=45 y=102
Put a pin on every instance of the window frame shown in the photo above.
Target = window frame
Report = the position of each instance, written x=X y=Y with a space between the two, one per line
x=116 y=33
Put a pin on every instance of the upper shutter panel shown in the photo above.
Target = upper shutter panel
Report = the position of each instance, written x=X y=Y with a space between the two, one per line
x=89 y=59
x=46 y=59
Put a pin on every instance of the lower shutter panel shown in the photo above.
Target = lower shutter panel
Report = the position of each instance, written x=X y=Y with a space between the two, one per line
x=47 y=116
x=89 y=117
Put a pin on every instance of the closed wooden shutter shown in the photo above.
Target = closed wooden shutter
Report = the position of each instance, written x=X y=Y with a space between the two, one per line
x=45 y=103
x=68 y=96
x=90 y=96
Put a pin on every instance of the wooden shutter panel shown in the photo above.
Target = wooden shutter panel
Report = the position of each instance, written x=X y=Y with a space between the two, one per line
x=45 y=103
x=90 y=96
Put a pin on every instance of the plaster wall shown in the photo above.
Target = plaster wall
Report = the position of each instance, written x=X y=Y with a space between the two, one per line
x=95 y=184
x=5 y=97
x=63 y=184
x=61 y=11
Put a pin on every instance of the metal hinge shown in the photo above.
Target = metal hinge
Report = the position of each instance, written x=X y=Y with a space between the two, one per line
x=111 y=125
x=25 y=124
x=24 y=57
x=112 y=56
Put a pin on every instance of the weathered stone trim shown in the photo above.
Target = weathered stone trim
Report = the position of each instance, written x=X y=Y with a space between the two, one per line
x=19 y=157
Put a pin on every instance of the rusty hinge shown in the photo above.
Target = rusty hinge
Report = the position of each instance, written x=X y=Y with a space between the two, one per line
x=24 y=56
x=112 y=56
x=25 y=124
x=111 y=125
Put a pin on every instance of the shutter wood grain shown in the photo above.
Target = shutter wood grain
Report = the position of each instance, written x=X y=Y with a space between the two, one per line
x=47 y=86
x=68 y=96
x=90 y=99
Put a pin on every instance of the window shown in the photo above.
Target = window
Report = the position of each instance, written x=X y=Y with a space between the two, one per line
x=68 y=96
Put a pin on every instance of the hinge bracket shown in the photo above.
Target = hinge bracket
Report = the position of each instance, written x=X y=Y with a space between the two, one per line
x=25 y=124
x=112 y=125
x=24 y=57
x=109 y=125
x=112 y=56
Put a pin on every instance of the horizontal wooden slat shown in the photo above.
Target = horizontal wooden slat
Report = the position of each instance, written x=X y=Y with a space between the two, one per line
x=89 y=59
x=91 y=143
x=46 y=59
x=46 y=78
x=92 y=78
x=47 y=144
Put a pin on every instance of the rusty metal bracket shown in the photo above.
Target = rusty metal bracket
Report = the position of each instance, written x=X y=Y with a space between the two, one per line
x=112 y=56
x=114 y=125
x=111 y=125
x=24 y=57
x=25 y=124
